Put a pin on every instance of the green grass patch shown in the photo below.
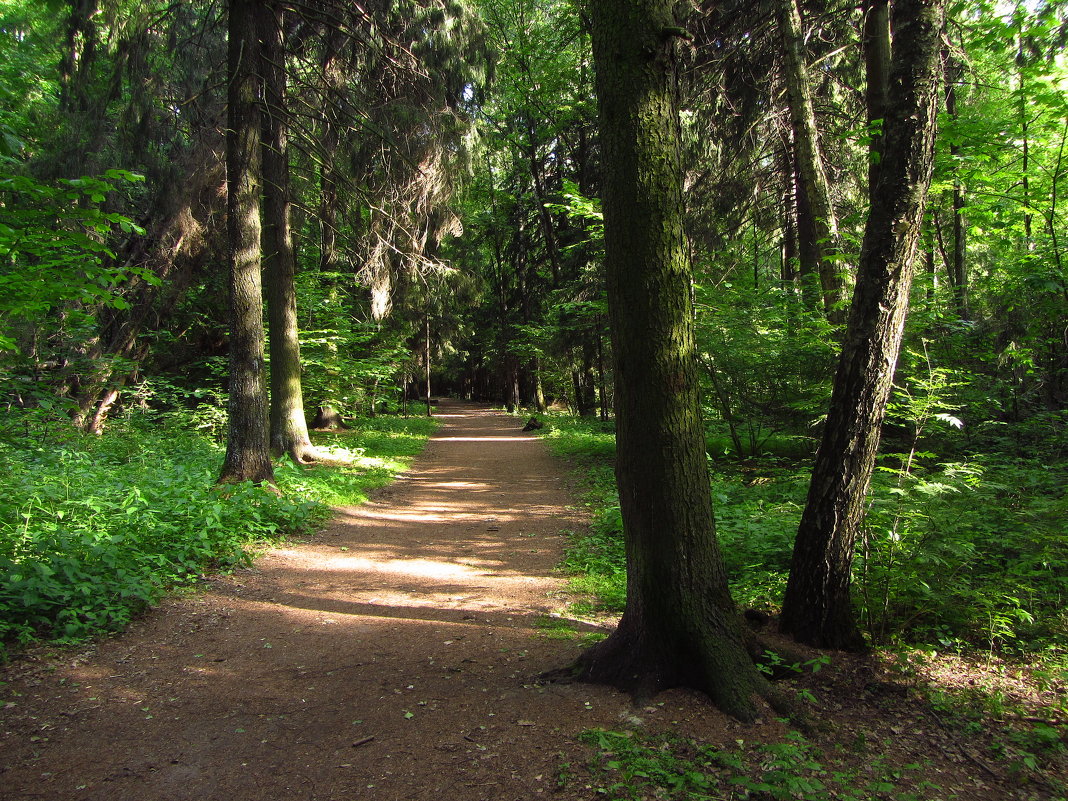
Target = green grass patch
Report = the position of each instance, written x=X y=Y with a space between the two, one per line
x=632 y=766
x=94 y=529
x=962 y=555
x=377 y=448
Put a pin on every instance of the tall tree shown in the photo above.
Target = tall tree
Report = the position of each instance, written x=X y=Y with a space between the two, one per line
x=679 y=626
x=812 y=175
x=877 y=77
x=288 y=425
x=816 y=607
x=248 y=455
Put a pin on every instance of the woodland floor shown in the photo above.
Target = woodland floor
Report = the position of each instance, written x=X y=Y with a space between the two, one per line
x=396 y=655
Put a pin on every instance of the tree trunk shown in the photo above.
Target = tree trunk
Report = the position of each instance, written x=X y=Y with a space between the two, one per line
x=808 y=252
x=248 y=455
x=426 y=354
x=957 y=267
x=289 y=426
x=816 y=607
x=679 y=627
x=812 y=173
x=327 y=418
x=539 y=197
x=877 y=78
x=333 y=81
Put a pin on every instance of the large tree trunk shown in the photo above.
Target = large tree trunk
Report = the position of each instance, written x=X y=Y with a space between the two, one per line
x=679 y=627
x=289 y=426
x=816 y=607
x=812 y=173
x=248 y=455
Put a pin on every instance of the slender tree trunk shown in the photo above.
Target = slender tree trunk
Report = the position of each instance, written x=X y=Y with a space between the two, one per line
x=539 y=389
x=248 y=455
x=808 y=252
x=1025 y=124
x=679 y=626
x=958 y=270
x=76 y=66
x=812 y=173
x=426 y=356
x=816 y=608
x=602 y=382
x=289 y=426
x=789 y=268
x=877 y=78
x=333 y=79
x=546 y=220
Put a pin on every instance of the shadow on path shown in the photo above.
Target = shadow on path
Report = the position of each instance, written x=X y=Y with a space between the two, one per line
x=392 y=657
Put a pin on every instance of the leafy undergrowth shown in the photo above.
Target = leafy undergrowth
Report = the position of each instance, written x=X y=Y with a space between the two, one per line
x=964 y=560
x=630 y=766
x=961 y=555
x=94 y=529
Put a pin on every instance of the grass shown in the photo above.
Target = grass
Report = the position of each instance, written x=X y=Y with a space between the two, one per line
x=633 y=766
x=94 y=529
x=379 y=448
x=962 y=554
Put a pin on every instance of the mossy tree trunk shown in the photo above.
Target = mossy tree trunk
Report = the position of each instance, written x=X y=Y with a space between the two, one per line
x=817 y=608
x=248 y=455
x=679 y=627
x=288 y=424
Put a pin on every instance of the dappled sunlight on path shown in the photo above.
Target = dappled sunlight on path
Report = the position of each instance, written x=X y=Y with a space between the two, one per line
x=474 y=525
x=393 y=656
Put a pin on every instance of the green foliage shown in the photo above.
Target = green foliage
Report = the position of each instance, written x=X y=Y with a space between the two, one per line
x=631 y=766
x=959 y=554
x=348 y=364
x=376 y=449
x=96 y=528
x=594 y=559
x=766 y=362
x=55 y=250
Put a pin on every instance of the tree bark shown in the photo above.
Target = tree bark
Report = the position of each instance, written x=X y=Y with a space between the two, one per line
x=812 y=173
x=957 y=272
x=333 y=80
x=877 y=78
x=679 y=627
x=248 y=455
x=288 y=424
x=817 y=608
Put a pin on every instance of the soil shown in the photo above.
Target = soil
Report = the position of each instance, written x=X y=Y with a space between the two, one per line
x=396 y=655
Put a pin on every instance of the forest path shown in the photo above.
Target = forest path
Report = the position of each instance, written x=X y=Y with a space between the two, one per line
x=394 y=656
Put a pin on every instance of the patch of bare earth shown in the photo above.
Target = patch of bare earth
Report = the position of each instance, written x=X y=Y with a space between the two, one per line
x=394 y=656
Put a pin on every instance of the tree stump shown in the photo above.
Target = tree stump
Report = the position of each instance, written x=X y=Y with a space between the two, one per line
x=328 y=419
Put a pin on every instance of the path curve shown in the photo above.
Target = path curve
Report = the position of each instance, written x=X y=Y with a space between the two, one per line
x=392 y=657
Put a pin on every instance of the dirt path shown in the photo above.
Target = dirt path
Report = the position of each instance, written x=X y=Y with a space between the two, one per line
x=393 y=657
x=396 y=656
